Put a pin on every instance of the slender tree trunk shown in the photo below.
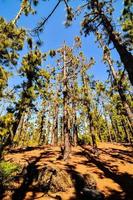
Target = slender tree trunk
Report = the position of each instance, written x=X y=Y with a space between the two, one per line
x=107 y=126
x=126 y=106
x=75 y=134
x=55 y=126
x=61 y=131
x=114 y=128
x=92 y=131
x=87 y=103
x=125 y=56
x=19 y=130
x=75 y=129
x=130 y=130
x=42 y=135
x=108 y=129
x=24 y=128
x=67 y=147
x=122 y=95
x=66 y=130
x=127 y=136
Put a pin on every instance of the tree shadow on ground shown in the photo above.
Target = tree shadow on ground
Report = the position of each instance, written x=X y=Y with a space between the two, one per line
x=84 y=190
x=123 y=155
x=24 y=149
x=127 y=144
x=119 y=151
x=28 y=174
x=125 y=180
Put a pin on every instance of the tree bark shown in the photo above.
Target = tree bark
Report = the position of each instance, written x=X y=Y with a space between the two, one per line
x=121 y=93
x=125 y=56
x=67 y=147
x=125 y=104
x=75 y=129
x=19 y=130
x=92 y=131
x=55 y=126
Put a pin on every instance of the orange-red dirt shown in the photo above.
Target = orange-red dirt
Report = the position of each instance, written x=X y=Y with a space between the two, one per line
x=112 y=168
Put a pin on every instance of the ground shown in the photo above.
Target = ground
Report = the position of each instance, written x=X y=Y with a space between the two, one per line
x=111 y=167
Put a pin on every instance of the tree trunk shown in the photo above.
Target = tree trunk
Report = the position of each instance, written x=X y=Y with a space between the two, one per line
x=55 y=126
x=75 y=129
x=125 y=56
x=126 y=106
x=114 y=128
x=92 y=131
x=61 y=131
x=42 y=136
x=107 y=126
x=127 y=136
x=66 y=130
x=19 y=129
x=121 y=93
x=67 y=147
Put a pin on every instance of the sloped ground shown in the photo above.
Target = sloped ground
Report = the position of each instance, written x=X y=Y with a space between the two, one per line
x=112 y=169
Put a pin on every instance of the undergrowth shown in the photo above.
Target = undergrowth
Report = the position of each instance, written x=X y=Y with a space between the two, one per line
x=7 y=171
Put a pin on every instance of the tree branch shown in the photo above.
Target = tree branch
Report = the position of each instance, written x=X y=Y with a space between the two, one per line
x=23 y=5
x=36 y=30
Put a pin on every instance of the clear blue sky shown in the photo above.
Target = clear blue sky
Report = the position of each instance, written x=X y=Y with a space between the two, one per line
x=55 y=33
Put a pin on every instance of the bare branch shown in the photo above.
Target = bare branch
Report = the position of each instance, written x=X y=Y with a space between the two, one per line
x=36 y=30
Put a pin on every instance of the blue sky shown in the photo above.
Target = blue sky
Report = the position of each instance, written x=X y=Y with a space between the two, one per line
x=55 y=33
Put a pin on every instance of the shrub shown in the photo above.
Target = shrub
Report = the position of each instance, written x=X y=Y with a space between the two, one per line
x=7 y=171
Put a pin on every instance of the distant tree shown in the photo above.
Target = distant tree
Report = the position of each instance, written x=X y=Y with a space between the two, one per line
x=31 y=71
x=88 y=101
x=118 y=80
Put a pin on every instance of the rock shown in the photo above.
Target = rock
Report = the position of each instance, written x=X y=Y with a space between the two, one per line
x=81 y=181
x=53 y=179
x=91 y=194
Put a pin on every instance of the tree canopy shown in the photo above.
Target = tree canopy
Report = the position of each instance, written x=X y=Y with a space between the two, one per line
x=56 y=100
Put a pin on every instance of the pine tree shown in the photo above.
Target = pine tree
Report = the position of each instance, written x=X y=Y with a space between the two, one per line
x=96 y=18
x=31 y=71
x=126 y=20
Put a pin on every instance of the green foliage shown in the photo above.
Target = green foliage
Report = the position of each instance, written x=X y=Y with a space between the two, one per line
x=70 y=16
x=127 y=22
x=6 y=122
x=64 y=95
x=11 y=41
x=4 y=75
x=8 y=171
x=85 y=138
x=30 y=70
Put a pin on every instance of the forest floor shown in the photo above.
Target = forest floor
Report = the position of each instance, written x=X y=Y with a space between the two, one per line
x=112 y=169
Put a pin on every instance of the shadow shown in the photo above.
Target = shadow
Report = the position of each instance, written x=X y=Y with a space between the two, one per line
x=123 y=152
x=22 y=150
x=119 y=151
x=125 y=180
x=120 y=157
x=127 y=144
x=2 y=190
x=123 y=155
x=84 y=189
x=115 y=195
x=29 y=174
